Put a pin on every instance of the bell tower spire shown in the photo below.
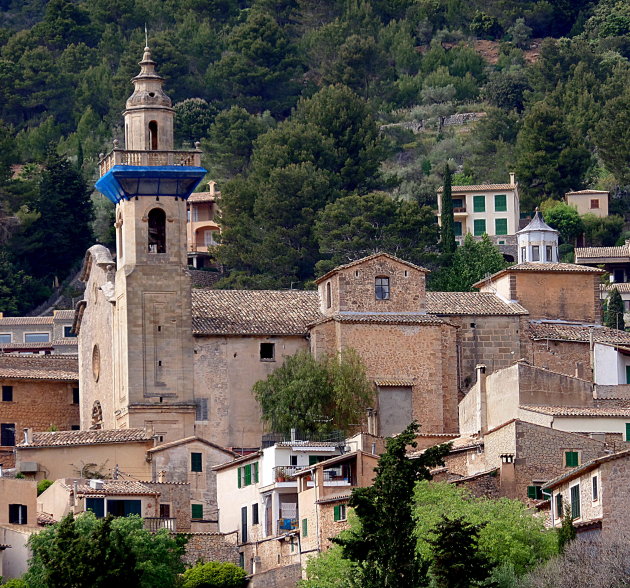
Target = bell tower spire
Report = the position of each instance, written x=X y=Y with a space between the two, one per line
x=149 y=114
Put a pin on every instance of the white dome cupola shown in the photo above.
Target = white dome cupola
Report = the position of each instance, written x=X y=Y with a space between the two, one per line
x=537 y=242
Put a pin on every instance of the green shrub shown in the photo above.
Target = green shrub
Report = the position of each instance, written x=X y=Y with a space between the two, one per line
x=215 y=574
x=15 y=583
x=43 y=485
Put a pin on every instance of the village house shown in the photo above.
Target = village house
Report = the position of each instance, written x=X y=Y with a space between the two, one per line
x=202 y=230
x=595 y=494
x=38 y=334
x=589 y=202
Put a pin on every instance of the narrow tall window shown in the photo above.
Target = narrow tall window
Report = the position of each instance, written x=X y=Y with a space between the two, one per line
x=153 y=135
x=157 y=231
x=328 y=295
x=535 y=253
x=196 y=462
x=18 y=514
x=575 y=501
x=7 y=393
x=549 y=253
x=595 y=489
x=381 y=288
x=7 y=434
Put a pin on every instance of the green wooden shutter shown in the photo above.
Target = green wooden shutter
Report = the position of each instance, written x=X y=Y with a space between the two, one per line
x=337 y=514
x=195 y=462
x=531 y=492
x=196 y=510
x=256 y=473
x=479 y=227
x=239 y=477
x=457 y=226
x=559 y=512
x=571 y=459
x=627 y=431
x=500 y=226
x=304 y=527
x=248 y=474
x=479 y=204
x=500 y=203
x=628 y=374
x=575 y=501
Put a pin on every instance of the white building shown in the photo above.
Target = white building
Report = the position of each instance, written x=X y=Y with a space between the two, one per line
x=538 y=242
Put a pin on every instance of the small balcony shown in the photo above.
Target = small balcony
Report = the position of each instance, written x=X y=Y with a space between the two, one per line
x=154 y=524
x=285 y=473
x=148 y=158
x=459 y=210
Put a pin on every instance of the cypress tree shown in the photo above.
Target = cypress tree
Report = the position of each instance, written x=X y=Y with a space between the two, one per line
x=614 y=311
x=447 y=231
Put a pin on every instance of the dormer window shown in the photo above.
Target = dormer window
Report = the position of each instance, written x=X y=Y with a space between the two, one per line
x=381 y=288
x=157 y=231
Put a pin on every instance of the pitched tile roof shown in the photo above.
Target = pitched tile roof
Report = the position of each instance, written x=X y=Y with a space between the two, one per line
x=479 y=188
x=192 y=439
x=393 y=382
x=583 y=411
x=204 y=196
x=586 y=192
x=369 y=258
x=63 y=314
x=532 y=266
x=473 y=303
x=39 y=367
x=580 y=333
x=109 y=487
x=619 y=252
x=253 y=312
x=25 y=320
x=70 y=438
x=385 y=318
x=622 y=287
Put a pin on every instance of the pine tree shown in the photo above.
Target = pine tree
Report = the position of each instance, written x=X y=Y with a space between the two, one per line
x=448 y=221
x=614 y=311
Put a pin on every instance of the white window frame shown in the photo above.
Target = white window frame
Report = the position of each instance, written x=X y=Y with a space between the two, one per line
x=599 y=490
x=10 y=338
x=37 y=333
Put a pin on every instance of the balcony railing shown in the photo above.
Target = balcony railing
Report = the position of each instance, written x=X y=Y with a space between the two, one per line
x=126 y=157
x=459 y=209
x=284 y=473
x=154 y=524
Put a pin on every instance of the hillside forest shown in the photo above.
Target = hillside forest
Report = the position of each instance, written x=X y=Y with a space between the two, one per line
x=328 y=126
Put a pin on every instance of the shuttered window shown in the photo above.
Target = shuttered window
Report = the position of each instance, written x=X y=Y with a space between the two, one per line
x=340 y=512
x=201 y=413
x=534 y=492
x=304 y=527
x=500 y=226
x=595 y=488
x=571 y=459
x=479 y=204
x=479 y=227
x=575 y=501
x=500 y=203
x=196 y=511
x=196 y=462
x=559 y=506
x=627 y=431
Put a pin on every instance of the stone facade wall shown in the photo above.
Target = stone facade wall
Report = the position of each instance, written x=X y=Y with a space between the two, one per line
x=328 y=527
x=40 y=405
x=566 y=357
x=210 y=547
x=285 y=577
x=272 y=553
x=353 y=288
x=490 y=340
x=423 y=354
x=615 y=495
x=540 y=453
x=484 y=486
x=225 y=370
x=177 y=495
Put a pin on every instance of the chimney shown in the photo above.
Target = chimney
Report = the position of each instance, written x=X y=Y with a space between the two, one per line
x=211 y=187
x=162 y=476
x=293 y=435
x=371 y=422
x=483 y=400
x=508 y=478
x=28 y=436
x=512 y=178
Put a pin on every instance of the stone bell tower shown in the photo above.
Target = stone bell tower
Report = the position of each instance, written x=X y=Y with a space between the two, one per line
x=152 y=344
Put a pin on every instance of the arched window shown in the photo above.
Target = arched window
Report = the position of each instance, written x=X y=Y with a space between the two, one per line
x=157 y=231
x=153 y=134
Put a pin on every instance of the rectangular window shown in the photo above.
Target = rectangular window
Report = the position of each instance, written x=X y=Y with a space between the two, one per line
x=594 y=203
x=96 y=505
x=5 y=337
x=293 y=460
x=627 y=431
x=196 y=462
x=255 y=472
x=340 y=512
x=500 y=203
x=535 y=253
x=196 y=511
x=534 y=492
x=244 y=524
x=7 y=393
x=247 y=475
x=523 y=254
x=255 y=514
x=75 y=396
x=165 y=511
x=67 y=331
x=479 y=204
x=595 y=489
x=479 y=227
x=381 y=288
x=75 y=427
x=304 y=527
x=457 y=227
x=571 y=459
x=36 y=337
x=559 y=506
x=458 y=203
x=7 y=434
x=201 y=409
x=500 y=226
x=17 y=514
x=267 y=351
x=575 y=501
x=548 y=253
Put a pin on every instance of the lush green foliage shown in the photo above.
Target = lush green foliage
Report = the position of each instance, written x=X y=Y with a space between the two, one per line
x=330 y=569
x=214 y=574
x=43 y=485
x=385 y=554
x=614 y=311
x=101 y=553
x=507 y=531
x=447 y=229
x=315 y=395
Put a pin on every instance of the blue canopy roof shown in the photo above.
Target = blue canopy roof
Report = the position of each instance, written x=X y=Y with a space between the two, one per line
x=123 y=182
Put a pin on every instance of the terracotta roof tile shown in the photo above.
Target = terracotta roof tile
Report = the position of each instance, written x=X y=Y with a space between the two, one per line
x=585 y=411
x=69 y=438
x=594 y=253
x=586 y=192
x=480 y=188
x=531 y=266
x=63 y=314
x=25 y=320
x=393 y=382
x=253 y=312
x=473 y=303
x=386 y=318
x=109 y=487
x=39 y=367
x=622 y=287
x=204 y=196
x=579 y=333
x=590 y=465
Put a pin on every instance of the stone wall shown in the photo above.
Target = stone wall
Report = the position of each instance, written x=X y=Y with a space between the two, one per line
x=566 y=357
x=177 y=495
x=211 y=547
x=328 y=527
x=615 y=491
x=285 y=577
x=486 y=485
